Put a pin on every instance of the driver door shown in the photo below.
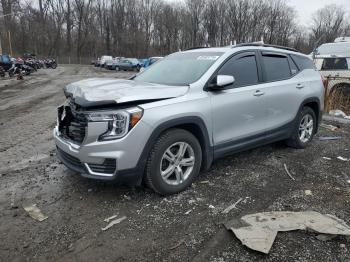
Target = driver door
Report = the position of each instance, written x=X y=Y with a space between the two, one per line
x=238 y=111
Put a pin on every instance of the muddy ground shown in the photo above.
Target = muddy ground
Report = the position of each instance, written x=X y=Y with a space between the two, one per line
x=183 y=227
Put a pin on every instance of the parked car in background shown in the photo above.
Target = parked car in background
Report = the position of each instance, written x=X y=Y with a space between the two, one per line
x=97 y=62
x=172 y=120
x=150 y=61
x=333 y=61
x=112 y=64
x=5 y=62
x=129 y=64
x=104 y=59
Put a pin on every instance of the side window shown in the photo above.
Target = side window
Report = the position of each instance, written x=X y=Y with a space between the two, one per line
x=276 y=67
x=334 y=64
x=243 y=69
x=303 y=62
x=293 y=66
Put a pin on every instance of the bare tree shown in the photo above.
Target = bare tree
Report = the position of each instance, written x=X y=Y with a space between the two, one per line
x=89 y=28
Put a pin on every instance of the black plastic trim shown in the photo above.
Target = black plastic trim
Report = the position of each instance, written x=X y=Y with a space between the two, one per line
x=207 y=148
x=250 y=142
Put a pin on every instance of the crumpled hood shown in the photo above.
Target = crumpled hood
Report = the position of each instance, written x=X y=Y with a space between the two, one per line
x=101 y=91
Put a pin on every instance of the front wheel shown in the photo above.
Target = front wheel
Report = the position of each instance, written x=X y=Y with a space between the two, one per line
x=174 y=162
x=305 y=129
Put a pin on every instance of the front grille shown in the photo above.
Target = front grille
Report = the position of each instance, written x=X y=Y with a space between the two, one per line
x=107 y=167
x=70 y=160
x=74 y=123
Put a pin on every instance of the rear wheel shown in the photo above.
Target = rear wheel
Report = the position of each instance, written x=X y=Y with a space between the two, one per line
x=305 y=129
x=174 y=162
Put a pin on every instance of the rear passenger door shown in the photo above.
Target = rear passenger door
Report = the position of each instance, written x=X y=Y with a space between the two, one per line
x=284 y=88
x=238 y=111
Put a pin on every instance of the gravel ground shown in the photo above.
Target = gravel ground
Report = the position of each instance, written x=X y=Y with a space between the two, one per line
x=183 y=227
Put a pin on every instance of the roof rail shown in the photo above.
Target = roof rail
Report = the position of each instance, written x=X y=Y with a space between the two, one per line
x=196 y=47
x=266 y=45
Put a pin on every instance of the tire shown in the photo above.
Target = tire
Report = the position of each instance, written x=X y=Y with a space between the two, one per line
x=117 y=68
x=296 y=140
x=172 y=140
x=54 y=66
x=138 y=68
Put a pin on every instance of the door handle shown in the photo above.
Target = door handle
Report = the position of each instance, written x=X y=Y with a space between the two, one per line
x=259 y=93
x=300 y=86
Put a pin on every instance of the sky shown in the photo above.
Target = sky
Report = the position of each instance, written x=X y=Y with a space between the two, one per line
x=306 y=8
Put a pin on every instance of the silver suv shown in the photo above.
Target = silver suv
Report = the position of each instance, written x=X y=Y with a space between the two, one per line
x=164 y=125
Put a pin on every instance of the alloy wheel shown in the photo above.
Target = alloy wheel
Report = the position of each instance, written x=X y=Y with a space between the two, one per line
x=177 y=163
x=306 y=128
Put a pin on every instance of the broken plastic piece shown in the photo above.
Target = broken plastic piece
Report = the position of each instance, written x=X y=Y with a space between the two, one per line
x=229 y=208
x=114 y=222
x=258 y=231
x=35 y=213
x=326 y=138
x=110 y=218
x=343 y=158
x=288 y=173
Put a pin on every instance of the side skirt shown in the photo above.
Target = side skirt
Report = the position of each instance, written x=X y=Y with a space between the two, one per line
x=251 y=142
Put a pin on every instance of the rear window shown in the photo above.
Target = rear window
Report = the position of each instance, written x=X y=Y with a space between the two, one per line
x=276 y=67
x=303 y=62
x=334 y=64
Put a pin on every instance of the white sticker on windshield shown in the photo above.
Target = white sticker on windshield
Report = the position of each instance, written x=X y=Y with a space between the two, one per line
x=213 y=58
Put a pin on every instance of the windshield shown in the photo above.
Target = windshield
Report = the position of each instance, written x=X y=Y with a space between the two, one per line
x=179 y=68
x=133 y=60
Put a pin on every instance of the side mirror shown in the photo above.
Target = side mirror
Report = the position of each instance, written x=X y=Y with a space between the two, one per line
x=221 y=81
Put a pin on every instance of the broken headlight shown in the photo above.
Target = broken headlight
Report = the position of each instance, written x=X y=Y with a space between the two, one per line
x=119 y=123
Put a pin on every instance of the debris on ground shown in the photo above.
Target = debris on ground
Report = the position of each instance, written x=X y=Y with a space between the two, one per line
x=188 y=212
x=288 y=173
x=308 y=192
x=337 y=113
x=35 y=213
x=178 y=244
x=206 y=182
x=229 y=208
x=343 y=158
x=327 y=138
x=211 y=207
x=258 y=231
x=327 y=158
x=110 y=218
x=114 y=222
x=325 y=237
x=330 y=127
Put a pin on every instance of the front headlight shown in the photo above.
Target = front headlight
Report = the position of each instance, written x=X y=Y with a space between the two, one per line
x=119 y=123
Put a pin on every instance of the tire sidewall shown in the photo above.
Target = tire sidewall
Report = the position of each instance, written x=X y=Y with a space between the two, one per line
x=176 y=136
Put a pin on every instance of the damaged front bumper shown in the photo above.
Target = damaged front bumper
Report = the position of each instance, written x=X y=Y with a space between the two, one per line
x=115 y=160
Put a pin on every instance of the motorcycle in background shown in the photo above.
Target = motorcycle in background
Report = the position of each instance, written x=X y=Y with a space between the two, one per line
x=50 y=63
